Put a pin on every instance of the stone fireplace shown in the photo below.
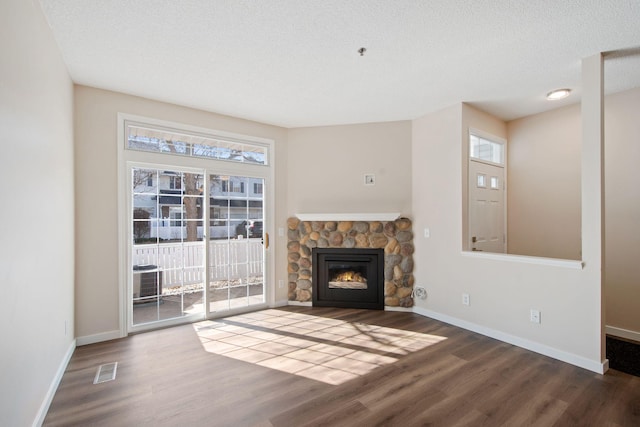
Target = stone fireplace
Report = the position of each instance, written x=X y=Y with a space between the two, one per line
x=393 y=238
x=348 y=277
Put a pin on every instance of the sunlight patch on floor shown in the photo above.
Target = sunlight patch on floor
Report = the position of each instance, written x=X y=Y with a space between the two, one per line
x=328 y=350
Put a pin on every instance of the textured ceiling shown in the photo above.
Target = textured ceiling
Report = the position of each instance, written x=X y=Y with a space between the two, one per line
x=295 y=63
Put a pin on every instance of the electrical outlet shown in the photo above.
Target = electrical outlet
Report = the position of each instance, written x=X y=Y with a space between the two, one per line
x=420 y=292
x=281 y=284
x=534 y=316
x=427 y=233
x=466 y=300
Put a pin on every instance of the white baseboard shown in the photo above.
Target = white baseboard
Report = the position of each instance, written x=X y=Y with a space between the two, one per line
x=53 y=387
x=103 y=336
x=405 y=309
x=573 y=359
x=623 y=333
x=281 y=303
x=386 y=308
x=300 y=303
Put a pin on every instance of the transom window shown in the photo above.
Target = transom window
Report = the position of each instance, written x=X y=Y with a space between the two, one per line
x=164 y=140
x=486 y=150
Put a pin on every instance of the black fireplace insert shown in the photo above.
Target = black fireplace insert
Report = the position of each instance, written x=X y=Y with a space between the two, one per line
x=348 y=277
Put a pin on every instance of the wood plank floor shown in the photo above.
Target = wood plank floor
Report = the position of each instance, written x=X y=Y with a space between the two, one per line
x=303 y=366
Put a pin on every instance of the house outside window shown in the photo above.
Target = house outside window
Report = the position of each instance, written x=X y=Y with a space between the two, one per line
x=175 y=183
x=232 y=187
x=175 y=216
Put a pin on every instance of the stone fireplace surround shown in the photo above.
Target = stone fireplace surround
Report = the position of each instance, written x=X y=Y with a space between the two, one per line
x=395 y=237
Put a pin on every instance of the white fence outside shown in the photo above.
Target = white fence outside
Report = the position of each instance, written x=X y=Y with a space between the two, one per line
x=163 y=230
x=183 y=263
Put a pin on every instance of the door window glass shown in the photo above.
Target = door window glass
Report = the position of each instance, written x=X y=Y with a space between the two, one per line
x=167 y=249
x=481 y=180
x=486 y=150
x=495 y=183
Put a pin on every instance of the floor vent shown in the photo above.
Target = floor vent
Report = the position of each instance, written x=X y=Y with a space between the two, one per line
x=106 y=372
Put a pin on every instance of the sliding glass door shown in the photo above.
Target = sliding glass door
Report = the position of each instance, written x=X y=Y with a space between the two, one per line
x=170 y=244
x=196 y=221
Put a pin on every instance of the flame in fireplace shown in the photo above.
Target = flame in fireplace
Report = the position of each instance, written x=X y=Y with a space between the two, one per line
x=349 y=276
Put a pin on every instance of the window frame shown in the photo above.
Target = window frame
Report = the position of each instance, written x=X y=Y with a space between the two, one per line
x=187 y=149
x=131 y=158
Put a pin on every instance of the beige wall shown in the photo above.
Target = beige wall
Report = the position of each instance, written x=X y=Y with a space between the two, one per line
x=502 y=288
x=544 y=184
x=622 y=198
x=299 y=164
x=544 y=196
x=97 y=262
x=36 y=249
x=327 y=166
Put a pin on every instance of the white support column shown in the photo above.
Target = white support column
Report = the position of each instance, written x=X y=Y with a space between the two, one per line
x=593 y=180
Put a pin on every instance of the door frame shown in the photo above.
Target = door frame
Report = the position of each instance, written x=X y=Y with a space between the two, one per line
x=127 y=157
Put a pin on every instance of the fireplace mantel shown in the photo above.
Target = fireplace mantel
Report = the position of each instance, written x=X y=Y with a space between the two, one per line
x=380 y=216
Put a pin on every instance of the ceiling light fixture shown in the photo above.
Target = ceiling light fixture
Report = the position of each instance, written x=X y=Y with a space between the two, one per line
x=362 y=50
x=554 y=95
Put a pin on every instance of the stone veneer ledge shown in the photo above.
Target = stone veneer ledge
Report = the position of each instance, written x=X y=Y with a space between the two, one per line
x=395 y=236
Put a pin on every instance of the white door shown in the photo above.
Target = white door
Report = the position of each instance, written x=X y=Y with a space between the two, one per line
x=487 y=229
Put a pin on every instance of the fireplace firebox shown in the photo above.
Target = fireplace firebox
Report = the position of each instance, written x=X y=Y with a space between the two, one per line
x=348 y=277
